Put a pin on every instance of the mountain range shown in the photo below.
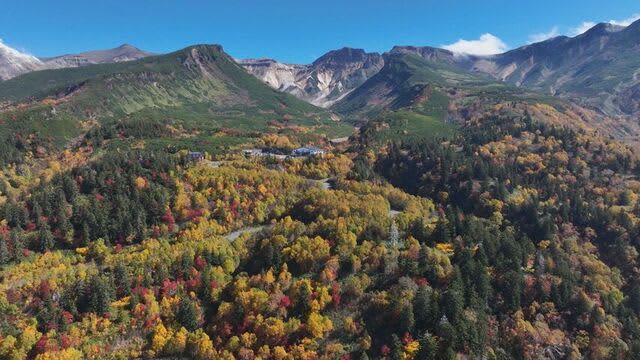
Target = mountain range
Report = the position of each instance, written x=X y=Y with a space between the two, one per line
x=14 y=62
x=598 y=69
x=191 y=96
x=589 y=79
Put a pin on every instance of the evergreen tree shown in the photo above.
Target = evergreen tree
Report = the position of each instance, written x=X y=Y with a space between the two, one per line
x=187 y=314
x=100 y=295
x=448 y=336
x=47 y=241
x=4 y=251
x=422 y=308
x=407 y=319
x=419 y=231
x=397 y=350
x=18 y=244
x=37 y=213
x=428 y=348
x=70 y=297
x=70 y=188
x=140 y=227
x=121 y=280
x=453 y=300
x=512 y=289
x=85 y=233
x=303 y=302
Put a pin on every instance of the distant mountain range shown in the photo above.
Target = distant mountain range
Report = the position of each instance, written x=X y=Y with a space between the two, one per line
x=14 y=62
x=593 y=78
x=122 y=53
x=599 y=69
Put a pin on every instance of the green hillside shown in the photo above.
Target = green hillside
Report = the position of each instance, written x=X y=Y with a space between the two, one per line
x=408 y=80
x=413 y=97
x=192 y=94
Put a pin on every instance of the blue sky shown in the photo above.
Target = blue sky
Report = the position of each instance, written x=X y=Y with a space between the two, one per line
x=295 y=30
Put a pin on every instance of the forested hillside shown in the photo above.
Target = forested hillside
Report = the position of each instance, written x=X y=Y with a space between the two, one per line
x=509 y=238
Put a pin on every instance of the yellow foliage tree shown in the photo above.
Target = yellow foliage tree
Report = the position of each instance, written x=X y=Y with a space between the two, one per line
x=318 y=324
x=66 y=354
x=159 y=340
x=306 y=251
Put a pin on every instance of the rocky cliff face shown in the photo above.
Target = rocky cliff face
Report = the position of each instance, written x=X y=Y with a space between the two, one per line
x=282 y=77
x=325 y=81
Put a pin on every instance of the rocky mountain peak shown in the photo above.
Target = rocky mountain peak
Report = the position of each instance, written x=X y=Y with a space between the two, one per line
x=208 y=47
x=203 y=52
x=322 y=82
x=343 y=56
x=425 y=52
x=634 y=26
x=601 y=29
x=126 y=46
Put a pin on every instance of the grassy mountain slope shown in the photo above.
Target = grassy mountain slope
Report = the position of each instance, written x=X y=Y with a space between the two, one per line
x=196 y=74
x=421 y=96
x=415 y=96
x=192 y=94
x=408 y=80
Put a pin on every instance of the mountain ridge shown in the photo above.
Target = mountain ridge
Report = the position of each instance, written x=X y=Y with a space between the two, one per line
x=598 y=70
x=595 y=68
x=14 y=63
x=601 y=63
x=189 y=95
x=322 y=83
x=124 y=52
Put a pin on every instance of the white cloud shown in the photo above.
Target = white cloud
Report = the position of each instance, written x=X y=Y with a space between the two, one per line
x=626 y=22
x=487 y=44
x=534 y=38
x=582 y=28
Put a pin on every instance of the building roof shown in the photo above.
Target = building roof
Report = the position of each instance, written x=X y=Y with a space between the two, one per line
x=308 y=149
